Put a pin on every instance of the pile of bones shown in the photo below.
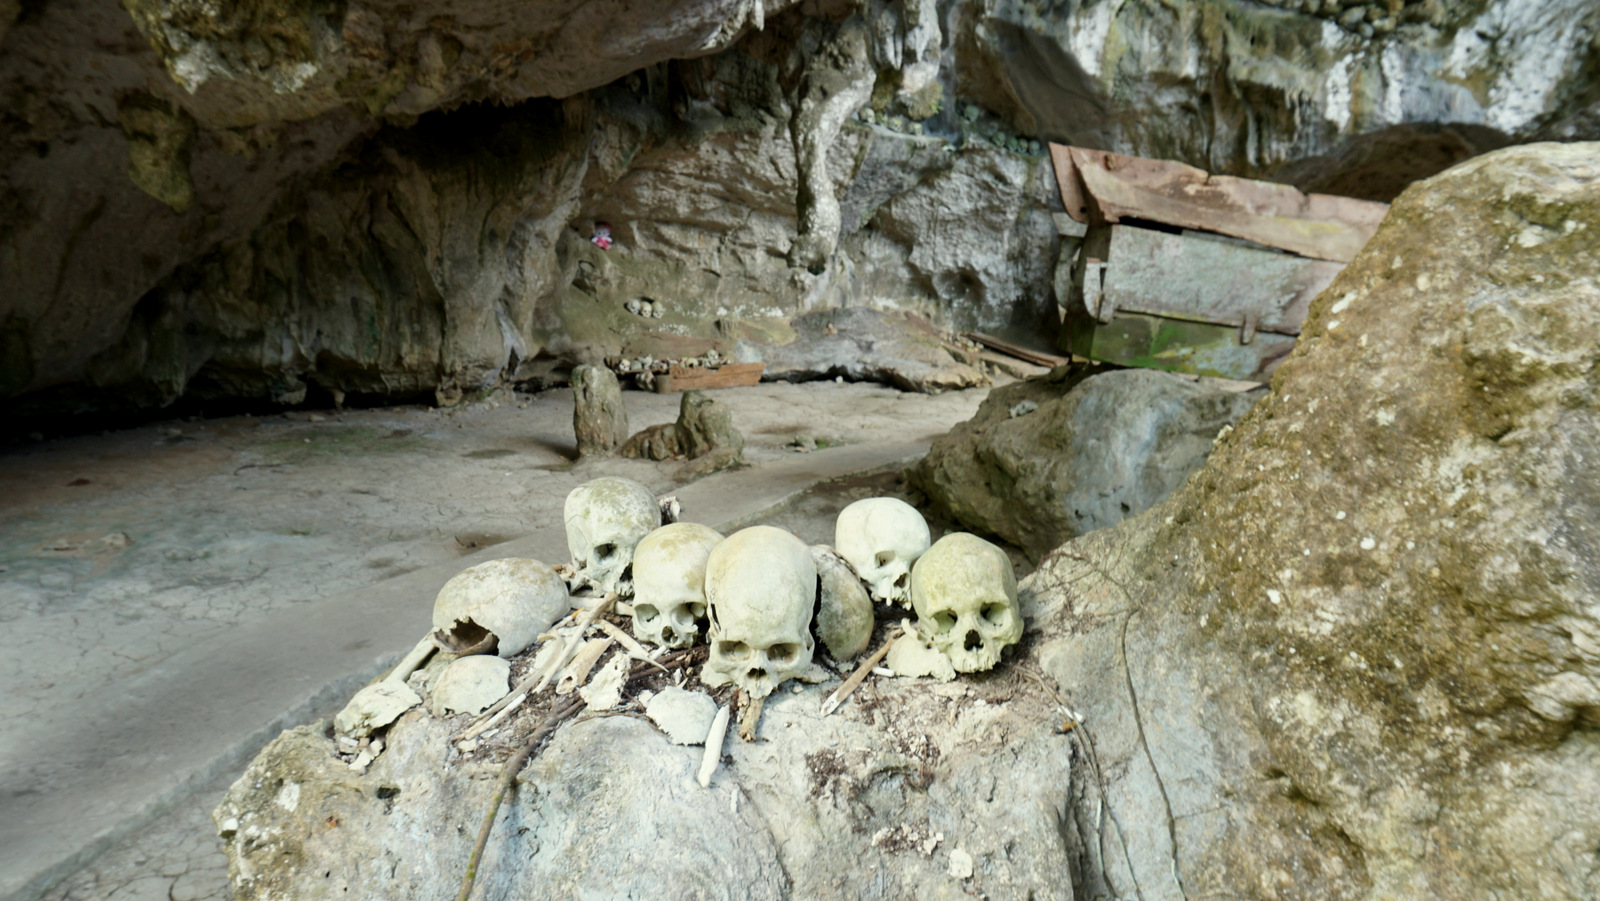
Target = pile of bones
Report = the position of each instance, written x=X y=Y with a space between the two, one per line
x=763 y=597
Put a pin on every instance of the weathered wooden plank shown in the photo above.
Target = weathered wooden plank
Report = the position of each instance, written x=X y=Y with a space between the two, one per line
x=1204 y=278
x=1106 y=187
x=1038 y=358
x=728 y=375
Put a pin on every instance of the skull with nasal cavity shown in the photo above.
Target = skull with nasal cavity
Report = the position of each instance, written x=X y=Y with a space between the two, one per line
x=761 y=588
x=605 y=518
x=669 y=572
x=882 y=537
x=965 y=595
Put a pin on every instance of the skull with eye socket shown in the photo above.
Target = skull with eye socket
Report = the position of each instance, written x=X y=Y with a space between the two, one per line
x=669 y=570
x=965 y=595
x=761 y=587
x=605 y=518
x=882 y=537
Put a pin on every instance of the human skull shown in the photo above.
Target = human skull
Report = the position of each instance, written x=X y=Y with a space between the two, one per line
x=669 y=572
x=760 y=589
x=498 y=607
x=882 y=537
x=965 y=595
x=605 y=519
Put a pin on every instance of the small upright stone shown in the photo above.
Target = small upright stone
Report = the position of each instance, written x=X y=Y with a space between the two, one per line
x=599 y=420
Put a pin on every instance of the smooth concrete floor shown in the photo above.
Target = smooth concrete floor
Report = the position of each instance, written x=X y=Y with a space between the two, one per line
x=193 y=588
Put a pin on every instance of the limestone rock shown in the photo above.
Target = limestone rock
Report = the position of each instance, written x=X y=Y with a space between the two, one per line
x=878 y=797
x=1095 y=449
x=704 y=430
x=599 y=419
x=1359 y=646
x=864 y=344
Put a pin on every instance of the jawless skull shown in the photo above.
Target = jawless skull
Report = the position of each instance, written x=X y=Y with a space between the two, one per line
x=605 y=519
x=761 y=587
x=498 y=607
x=965 y=595
x=669 y=571
x=882 y=537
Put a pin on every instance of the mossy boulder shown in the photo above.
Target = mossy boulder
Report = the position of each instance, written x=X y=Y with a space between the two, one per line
x=1358 y=654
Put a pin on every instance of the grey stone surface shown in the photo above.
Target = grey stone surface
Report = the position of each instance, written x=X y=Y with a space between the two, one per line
x=1095 y=449
x=599 y=418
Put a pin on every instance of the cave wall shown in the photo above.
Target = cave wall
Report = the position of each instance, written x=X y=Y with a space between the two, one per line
x=289 y=194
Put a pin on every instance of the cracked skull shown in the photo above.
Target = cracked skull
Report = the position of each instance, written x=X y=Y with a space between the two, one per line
x=882 y=537
x=498 y=607
x=669 y=571
x=761 y=586
x=965 y=595
x=605 y=519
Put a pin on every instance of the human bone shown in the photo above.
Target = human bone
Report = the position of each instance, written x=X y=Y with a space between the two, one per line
x=470 y=685
x=583 y=661
x=844 y=618
x=604 y=691
x=374 y=707
x=499 y=606
x=965 y=595
x=914 y=655
x=634 y=306
x=669 y=571
x=760 y=588
x=685 y=716
x=882 y=537
x=605 y=519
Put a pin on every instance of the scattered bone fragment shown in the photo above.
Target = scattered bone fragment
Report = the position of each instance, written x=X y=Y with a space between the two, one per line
x=669 y=569
x=844 y=618
x=604 y=691
x=961 y=864
x=634 y=649
x=882 y=537
x=685 y=716
x=760 y=589
x=374 y=707
x=470 y=685
x=671 y=509
x=713 y=754
x=498 y=606
x=965 y=595
x=916 y=656
x=750 y=719
x=583 y=661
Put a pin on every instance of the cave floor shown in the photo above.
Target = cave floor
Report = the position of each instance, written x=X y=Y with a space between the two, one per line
x=182 y=590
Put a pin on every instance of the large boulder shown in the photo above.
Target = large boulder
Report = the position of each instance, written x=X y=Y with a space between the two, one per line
x=1358 y=654
x=1054 y=457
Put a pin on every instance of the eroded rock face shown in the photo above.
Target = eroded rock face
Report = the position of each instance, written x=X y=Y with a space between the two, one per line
x=1051 y=458
x=1368 y=623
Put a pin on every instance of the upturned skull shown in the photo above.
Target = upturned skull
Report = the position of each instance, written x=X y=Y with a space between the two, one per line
x=498 y=607
x=669 y=571
x=882 y=537
x=605 y=519
x=965 y=595
x=760 y=589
